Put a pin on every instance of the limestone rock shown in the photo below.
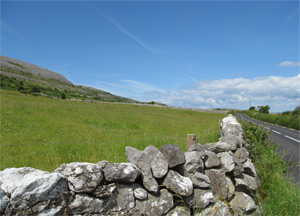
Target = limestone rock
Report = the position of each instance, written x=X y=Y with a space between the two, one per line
x=139 y=192
x=132 y=154
x=242 y=154
x=149 y=182
x=121 y=172
x=238 y=166
x=102 y=164
x=245 y=183
x=28 y=186
x=104 y=191
x=233 y=141
x=199 y=199
x=179 y=184
x=218 y=147
x=82 y=177
x=200 y=180
x=230 y=125
x=121 y=199
x=193 y=162
x=212 y=160
x=156 y=204
x=231 y=188
x=3 y=201
x=158 y=162
x=242 y=203
x=219 y=209
x=179 y=211
x=84 y=204
x=249 y=168
x=196 y=147
x=173 y=154
x=218 y=183
x=226 y=160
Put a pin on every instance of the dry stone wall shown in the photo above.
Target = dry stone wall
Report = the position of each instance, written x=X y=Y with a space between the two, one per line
x=211 y=179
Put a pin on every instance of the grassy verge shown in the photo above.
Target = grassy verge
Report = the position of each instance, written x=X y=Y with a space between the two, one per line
x=43 y=133
x=277 y=194
x=287 y=119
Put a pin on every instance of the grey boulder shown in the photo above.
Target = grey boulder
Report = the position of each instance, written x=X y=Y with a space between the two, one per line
x=173 y=154
x=226 y=160
x=218 y=147
x=3 y=201
x=28 y=186
x=179 y=184
x=149 y=182
x=218 y=183
x=84 y=204
x=199 y=199
x=82 y=177
x=200 y=180
x=179 y=211
x=121 y=172
x=212 y=160
x=132 y=154
x=122 y=198
x=104 y=191
x=193 y=162
x=242 y=203
x=155 y=205
x=158 y=162
x=242 y=154
x=139 y=192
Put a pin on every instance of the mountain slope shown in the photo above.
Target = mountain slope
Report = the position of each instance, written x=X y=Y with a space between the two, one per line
x=32 y=79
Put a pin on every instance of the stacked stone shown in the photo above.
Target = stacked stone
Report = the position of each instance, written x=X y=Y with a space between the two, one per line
x=213 y=179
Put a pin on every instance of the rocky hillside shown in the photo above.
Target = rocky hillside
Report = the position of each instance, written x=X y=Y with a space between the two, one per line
x=24 y=70
x=32 y=79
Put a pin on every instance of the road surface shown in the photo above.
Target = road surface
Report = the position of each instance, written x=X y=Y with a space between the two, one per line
x=287 y=139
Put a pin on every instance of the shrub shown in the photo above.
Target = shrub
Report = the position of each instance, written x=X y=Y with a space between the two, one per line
x=63 y=96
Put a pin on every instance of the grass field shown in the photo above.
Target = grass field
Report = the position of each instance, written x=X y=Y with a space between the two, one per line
x=43 y=133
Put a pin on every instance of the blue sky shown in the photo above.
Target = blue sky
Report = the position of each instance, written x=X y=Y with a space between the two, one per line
x=208 y=54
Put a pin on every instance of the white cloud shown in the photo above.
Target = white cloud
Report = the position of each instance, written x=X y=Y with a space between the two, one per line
x=289 y=64
x=280 y=93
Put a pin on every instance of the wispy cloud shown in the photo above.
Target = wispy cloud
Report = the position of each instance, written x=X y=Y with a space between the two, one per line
x=190 y=77
x=122 y=29
x=11 y=30
x=289 y=64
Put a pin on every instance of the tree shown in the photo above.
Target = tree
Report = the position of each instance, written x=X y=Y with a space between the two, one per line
x=252 y=108
x=264 y=109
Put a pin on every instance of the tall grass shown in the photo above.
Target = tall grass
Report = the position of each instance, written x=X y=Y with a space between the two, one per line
x=289 y=120
x=277 y=194
x=43 y=133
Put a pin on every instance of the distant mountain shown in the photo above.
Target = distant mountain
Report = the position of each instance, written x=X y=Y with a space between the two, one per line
x=32 y=79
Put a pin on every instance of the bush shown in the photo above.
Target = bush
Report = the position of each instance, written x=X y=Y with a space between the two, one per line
x=63 y=96
x=264 y=109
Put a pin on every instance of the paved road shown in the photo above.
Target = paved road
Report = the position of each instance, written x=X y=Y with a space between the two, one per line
x=287 y=140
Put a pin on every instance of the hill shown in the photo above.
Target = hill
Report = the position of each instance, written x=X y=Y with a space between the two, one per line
x=32 y=79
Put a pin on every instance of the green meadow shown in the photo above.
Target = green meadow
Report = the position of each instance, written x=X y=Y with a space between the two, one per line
x=43 y=133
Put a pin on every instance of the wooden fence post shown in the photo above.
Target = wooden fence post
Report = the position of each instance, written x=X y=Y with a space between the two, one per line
x=191 y=140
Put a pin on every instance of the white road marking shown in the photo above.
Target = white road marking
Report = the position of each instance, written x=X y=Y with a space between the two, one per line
x=276 y=132
x=292 y=138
